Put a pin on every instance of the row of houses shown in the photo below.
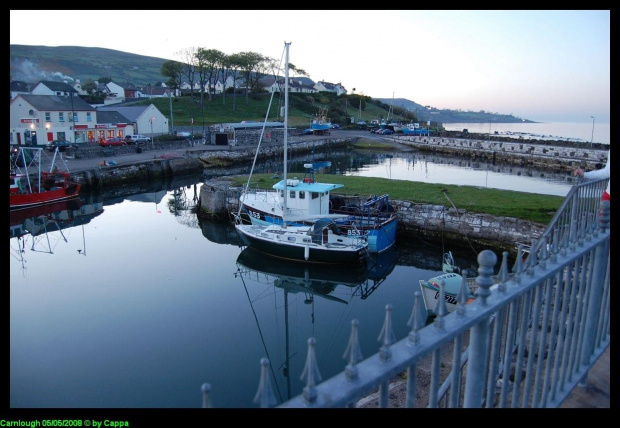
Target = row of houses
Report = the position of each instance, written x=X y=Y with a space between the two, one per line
x=49 y=110
x=54 y=111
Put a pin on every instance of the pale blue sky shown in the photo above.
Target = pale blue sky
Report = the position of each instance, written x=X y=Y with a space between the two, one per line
x=544 y=65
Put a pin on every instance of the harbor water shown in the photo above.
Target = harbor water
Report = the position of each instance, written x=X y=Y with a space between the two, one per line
x=130 y=301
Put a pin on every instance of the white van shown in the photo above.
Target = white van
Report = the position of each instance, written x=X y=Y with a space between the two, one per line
x=137 y=139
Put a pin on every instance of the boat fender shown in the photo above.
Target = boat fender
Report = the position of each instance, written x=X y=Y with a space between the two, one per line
x=306 y=252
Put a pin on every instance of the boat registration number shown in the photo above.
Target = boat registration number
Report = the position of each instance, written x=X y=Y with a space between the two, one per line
x=254 y=214
x=448 y=298
x=355 y=232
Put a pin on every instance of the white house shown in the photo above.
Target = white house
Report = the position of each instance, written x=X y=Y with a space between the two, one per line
x=336 y=88
x=37 y=119
x=60 y=89
x=146 y=120
x=294 y=85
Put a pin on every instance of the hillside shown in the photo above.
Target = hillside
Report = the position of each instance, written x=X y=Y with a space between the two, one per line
x=451 y=116
x=67 y=63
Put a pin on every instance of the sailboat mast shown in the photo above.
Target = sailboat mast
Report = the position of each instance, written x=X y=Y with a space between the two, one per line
x=284 y=211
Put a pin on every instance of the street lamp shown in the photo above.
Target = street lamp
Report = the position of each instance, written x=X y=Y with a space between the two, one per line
x=592 y=140
x=152 y=135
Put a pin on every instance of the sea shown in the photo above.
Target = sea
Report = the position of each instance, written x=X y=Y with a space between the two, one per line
x=581 y=132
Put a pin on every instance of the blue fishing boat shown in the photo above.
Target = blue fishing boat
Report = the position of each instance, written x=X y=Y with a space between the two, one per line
x=321 y=123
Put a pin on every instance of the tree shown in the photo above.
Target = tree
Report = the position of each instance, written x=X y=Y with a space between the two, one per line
x=250 y=63
x=235 y=63
x=189 y=66
x=226 y=71
x=173 y=70
x=208 y=64
x=89 y=86
x=104 y=79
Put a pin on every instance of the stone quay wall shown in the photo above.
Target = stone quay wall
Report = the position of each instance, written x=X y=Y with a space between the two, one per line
x=544 y=156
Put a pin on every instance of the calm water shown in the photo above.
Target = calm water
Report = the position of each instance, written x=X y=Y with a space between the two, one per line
x=570 y=131
x=134 y=303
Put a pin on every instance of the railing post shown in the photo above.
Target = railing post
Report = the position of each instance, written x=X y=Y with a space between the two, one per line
x=477 y=363
x=600 y=260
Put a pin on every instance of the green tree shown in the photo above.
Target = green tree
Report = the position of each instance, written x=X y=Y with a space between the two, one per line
x=235 y=64
x=173 y=70
x=189 y=66
x=89 y=86
x=250 y=66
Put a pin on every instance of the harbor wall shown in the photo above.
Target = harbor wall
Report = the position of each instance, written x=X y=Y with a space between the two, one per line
x=522 y=153
x=199 y=157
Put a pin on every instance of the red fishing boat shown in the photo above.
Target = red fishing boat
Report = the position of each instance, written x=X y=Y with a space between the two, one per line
x=28 y=190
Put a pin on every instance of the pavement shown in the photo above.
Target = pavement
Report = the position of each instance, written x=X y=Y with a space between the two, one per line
x=595 y=394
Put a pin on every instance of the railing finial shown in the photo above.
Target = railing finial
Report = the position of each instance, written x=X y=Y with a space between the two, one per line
x=206 y=396
x=311 y=373
x=484 y=280
x=418 y=317
x=461 y=298
x=353 y=353
x=265 y=396
x=387 y=336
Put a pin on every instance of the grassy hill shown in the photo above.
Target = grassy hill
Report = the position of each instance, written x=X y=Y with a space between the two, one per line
x=35 y=63
x=302 y=108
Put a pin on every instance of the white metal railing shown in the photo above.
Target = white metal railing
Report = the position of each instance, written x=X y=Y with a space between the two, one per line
x=528 y=342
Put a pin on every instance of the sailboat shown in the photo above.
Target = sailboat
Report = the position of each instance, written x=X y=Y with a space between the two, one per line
x=320 y=242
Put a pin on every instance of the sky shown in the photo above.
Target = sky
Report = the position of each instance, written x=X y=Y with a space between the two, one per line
x=542 y=65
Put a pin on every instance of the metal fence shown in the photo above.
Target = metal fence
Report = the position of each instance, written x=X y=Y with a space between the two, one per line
x=526 y=341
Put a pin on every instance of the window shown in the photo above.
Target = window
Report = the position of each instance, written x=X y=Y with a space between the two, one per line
x=48 y=116
x=60 y=136
x=314 y=195
x=61 y=117
x=292 y=194
x=75 y=117
x=88 y=118
x=302 y=195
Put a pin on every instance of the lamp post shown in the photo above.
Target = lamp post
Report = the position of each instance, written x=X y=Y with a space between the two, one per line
x=152 y=135
x=171 y=117
x=592 y=139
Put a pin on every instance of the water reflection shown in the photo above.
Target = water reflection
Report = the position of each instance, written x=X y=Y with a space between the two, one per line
x=293 y=283
x=41 y=228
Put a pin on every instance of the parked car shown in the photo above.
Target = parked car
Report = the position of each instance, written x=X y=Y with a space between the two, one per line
x=137 y=139
x=386 y=131
x=335 y=126
x=182 y=134
x=308 y=131
x=116 y=141
x=61 y=144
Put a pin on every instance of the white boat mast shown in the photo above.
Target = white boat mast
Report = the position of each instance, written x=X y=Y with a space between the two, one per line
x=284 y=208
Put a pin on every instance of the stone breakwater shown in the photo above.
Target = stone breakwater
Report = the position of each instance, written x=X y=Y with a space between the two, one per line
x=219 y=199
x=543 y=156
